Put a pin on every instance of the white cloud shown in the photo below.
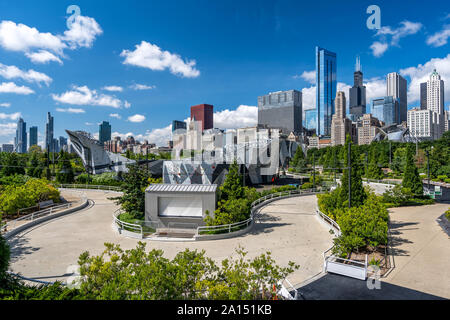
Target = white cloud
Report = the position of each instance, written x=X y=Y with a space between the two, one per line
x=43 y=56
x=43 y=47
x=406 y=28
x=138 y=86
x=11 y=87
x=378 y=48
x=309 y=98
x=10 y=116
x=136 y=118
x=113 y=88
x=440 y=38
x=82 y=32
x=5 y=104
x=243 y=116
x=71 y=110
x=20 y=37
x=151 y=56
x=127 y=105
x=8 y=128
x=308 y=76
x=115 y=115
x=84 y=96
x=12 y=72
x=421 y=73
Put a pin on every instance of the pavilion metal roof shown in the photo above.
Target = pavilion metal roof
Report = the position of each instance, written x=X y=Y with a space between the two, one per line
x=181 y=188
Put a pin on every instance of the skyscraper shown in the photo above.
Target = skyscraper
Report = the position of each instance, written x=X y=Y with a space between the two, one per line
x=20 y=141
x=423 y=96
x=204 y=114
x=435 y=99
x=281 y=110
x=396 y=87
x=340 y=124
x=104 y=132
x=386 y=109
x=176 y=124
x=49 y=133
x=325 y=89
x=357 y=93
x=33 y=136
x=62 y=143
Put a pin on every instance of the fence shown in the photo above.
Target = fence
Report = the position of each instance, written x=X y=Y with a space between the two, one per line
x=33 y=216
x=135 y=230
x=329 y=221
x=88 y=187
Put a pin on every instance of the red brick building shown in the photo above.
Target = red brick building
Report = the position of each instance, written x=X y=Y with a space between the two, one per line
x=203 y=113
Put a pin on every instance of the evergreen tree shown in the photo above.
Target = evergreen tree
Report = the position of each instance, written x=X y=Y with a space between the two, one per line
x=374 y=170
x=65 y=171
x=411 y=178
x=357 y=193
x=11 y=165
x=34 y=166
x=133 y=199
x=298 y=156
x=232 y=186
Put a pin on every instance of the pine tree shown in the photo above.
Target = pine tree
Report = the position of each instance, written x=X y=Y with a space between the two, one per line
x=358 y=195
x=298 y=156
x=232 y=186
x=411 y=178
x=65 y=171
x=374 y=170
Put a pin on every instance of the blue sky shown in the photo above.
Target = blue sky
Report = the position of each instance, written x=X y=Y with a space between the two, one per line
x=182 y=53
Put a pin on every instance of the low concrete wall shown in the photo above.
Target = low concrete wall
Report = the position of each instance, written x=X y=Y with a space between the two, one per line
x=33 y=223
x=346 y=270
x=205 y=237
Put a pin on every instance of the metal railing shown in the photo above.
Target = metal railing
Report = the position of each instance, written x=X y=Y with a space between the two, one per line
x=392 y=182
x=88 y=187
x=142 y=228
x=33 y=216
x=328 y=220
x=228 y=228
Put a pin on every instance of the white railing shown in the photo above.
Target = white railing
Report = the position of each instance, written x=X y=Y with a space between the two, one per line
x=392 y=182
x=329 y=221
x=134 y=227
x=88 y=187
x=228 y=228
x=33 y=216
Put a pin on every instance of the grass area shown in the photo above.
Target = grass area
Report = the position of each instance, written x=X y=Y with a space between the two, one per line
x=410 y=203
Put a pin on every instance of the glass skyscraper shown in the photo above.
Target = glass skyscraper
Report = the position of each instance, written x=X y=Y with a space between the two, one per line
x=310 y=119
x=33 y=136
x=325 y=89
x=20 y=140
x=387 y=110
x=49 y=133
x=104 y=132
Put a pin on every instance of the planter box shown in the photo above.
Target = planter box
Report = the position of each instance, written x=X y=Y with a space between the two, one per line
x=353 y=269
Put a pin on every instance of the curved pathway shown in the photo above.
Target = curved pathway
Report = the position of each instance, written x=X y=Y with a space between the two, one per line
x=288 y=228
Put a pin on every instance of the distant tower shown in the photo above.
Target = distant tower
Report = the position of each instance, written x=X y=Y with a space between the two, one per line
x=357 y=106
x=104 y=132
x=396 y=87
x=204 y=114
x=21 y=137
x=33 y=136
x=49 y=141
x=325 y=89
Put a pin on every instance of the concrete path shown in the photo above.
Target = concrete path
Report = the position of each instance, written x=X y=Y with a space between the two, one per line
x=289 y=230
x=421 y=250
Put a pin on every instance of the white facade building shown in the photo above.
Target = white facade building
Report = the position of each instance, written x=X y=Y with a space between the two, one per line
x=435 y=99
x=422 y=124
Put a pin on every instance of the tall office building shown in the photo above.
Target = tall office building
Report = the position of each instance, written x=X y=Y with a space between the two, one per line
x=7 y=148
x=357 y=106
x=204 y=114
x=310 y=119
x=325 y=89
x=423 y=96
x=340 y=124
x=20 y=141
x=62 y=143
x=435 y=99
x=386 y=109
x=422 y=124
x=281 y=110
x=396 y=87
x=49 y=133
x=33 y=136
x=368 y=128
x=176 y=125
x=104 y=132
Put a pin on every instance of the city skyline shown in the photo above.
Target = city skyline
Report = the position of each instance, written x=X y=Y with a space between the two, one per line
x=101 y=75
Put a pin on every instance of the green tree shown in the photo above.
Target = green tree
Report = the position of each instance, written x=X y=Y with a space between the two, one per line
x=133 y=199
x=4 y=258
x=299 y=155
x=11 y=165
x=411 y=178
x=374 y=170
x=34 y=165
x=65 y=171
x=357 y=192
x=232 y=187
